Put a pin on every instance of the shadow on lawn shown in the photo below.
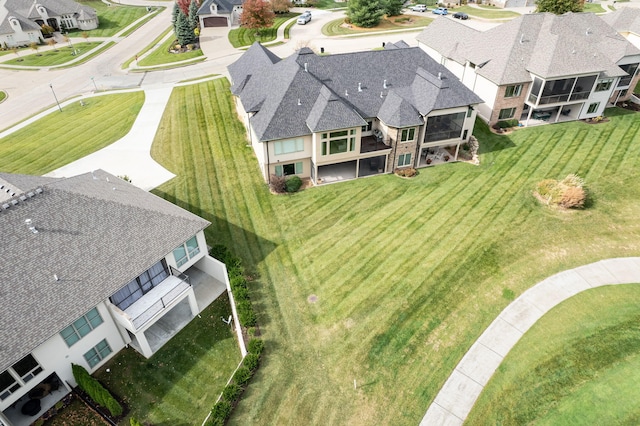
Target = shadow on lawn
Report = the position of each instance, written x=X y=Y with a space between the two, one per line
x=490 y=142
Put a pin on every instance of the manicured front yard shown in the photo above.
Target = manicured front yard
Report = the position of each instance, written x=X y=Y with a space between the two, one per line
x=113 y=17
x=338 y=26
x=47 y=58
x=180 y=383
x=242 y=36
x=63 y=137
x=405 y=274
x=486 y=12
x=580 y=364
x=161 y=55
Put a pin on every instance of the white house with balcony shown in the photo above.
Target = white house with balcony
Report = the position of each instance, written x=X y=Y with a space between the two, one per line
x=91 y=264
x=538 y=68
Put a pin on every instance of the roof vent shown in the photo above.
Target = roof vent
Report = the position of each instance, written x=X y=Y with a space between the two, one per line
x=93 y=175
x=29 y=224
x=306 y=67
x=384 y=84
x=55 y=277
x=299 y=103
x=588 y=32
x=359 y=87
x=6 y=206
x=346 y=92
x=38 y=190
x=439 y=76
x=30 y=194
x=1 y=186
x=14 y=202
x=573 y=51
x=521 y=38
x=23 y=197
x=381 y=94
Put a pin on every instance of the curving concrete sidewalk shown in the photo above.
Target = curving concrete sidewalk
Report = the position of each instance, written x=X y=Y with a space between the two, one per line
x=461 y=390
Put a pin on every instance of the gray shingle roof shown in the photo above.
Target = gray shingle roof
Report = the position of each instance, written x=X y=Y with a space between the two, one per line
x=94 y=234
x=544 y=44
x=25 y=11
x=224 y=6
x=624 y=20
x=307 y=92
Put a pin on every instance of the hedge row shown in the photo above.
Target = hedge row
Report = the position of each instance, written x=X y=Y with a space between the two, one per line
x=238 y=282
x=233 y=391
x=95 y=390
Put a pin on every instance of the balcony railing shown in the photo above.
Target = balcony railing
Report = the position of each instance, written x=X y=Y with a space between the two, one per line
x=624 y=81
x=442 y=135
x=555 y=99
x=156 y=300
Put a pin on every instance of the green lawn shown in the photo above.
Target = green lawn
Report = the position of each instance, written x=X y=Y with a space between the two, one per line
x=593 y=8
x=161 y=55
x=3 y=95
x=580 y=364
x=335 y=27
x=63 y=137
x=51 y=57
x=180 y=383
x=486 y=12
x=113 y=18
x=242 y=36
x=407 y=273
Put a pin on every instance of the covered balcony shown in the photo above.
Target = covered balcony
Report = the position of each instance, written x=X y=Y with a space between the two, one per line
x=372 y=144
x=560 y=91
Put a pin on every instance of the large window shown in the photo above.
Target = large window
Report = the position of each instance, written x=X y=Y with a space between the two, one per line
x=408 y=135
x=287 y=147
x=630 y=69
x=8 y=384
x=289 y=169
x=506 y=113
x=368 y=127
x=81 y=327
x=186 y=251
x=338 y=142
x=513 y=91
x=404 y=160
x=593 y=108
x=443 y=127
x=26 y=369
x=604 y=85
x=97 y=353
x=141 y=285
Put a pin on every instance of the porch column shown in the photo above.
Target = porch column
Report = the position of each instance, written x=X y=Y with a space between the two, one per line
x=193 y=303
x=144 y=344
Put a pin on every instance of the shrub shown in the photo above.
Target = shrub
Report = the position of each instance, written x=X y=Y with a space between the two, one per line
x=293 y=184
x=232 y=392
x=255 y=346
x=240 y=293
x=220 y=412
x=245 y=313
x=242 y=376
x=408 y=172
x=95 y=390
x=278 y=184
x=567 y=193
x=134 y=422
x=251 y=361
x=573 y=198
x=237 y=282
x=504 y=124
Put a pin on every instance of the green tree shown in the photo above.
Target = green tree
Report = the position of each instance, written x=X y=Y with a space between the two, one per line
x=256 y=14
x=174 y=16
x=560 y=7
x=365 y=13
x=193 y=15
x=184 y=32
x=393 y=7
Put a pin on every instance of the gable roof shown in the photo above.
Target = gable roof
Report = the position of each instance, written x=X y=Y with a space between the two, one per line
x=625 y=20
x=224 y=6
x=95 y=232
x=544 y=44
x=25 y=11
x=307 y=93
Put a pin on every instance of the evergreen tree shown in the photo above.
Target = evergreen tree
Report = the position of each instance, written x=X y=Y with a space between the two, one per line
x=364 y=13
x=184 y=33
x=393 y=7
x=193 y=15
x=174 y=17
x=560 y=7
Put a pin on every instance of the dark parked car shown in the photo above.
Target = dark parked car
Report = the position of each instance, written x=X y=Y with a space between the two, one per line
x=461 y=15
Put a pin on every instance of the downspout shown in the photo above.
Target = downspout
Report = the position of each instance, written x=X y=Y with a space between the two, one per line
x=422 y=132
x=268 y=164
x=395 y=150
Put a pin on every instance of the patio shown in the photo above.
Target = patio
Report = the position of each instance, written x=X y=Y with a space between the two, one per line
x=45 y=402
x=434 y=156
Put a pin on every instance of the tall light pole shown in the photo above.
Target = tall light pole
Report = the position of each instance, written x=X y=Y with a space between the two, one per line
x=55 y=97
x=94 y=83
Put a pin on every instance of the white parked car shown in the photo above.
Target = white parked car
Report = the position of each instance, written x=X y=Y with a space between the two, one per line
x=419 y=8
x=304 y=18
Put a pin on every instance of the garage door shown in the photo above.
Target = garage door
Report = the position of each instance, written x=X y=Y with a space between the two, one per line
x=215 y=21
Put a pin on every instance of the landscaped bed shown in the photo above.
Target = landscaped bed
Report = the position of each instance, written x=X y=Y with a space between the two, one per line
x=46 y=58
x=341 y=27
x=243 y=36
x=405 y=274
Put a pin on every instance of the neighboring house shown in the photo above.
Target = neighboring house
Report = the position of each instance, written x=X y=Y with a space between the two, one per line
x=539 y=67
x=626 y=22
x=21 y=20
x=91 y=264
x=220 y=13
x=337 y=117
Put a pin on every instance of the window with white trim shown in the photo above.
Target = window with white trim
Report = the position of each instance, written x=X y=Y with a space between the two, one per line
x=513 y=91
x=289 y=169
x=183 y=253
x=96 y=354
x=506 y=113
x=338 y=142
x=20 y=373
x=404 y=160
x=604 y=85
x=288 y=146
x=408 y=135
x=8 y=384
x=81 y=327
x=593 y=108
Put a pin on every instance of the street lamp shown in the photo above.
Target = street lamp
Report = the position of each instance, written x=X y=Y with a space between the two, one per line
x=94 y=83
x=55 y=97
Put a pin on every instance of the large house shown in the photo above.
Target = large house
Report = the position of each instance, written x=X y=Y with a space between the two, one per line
x=626 y=22
x=220 y=13
x=21 y=20
x=90 y=264
x=337 y=117
x=539 y=67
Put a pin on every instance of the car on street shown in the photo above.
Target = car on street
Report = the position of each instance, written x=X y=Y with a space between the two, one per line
x=440 y=11
x=419 y=8
x=304 y=18
x=461 y=15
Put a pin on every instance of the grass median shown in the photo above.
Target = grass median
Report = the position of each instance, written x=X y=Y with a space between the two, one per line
x=404 y=274
x=242 y=36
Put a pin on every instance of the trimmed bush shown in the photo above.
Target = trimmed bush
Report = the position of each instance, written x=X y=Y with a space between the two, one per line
x=293 y=184
x=134 y=422
x=567 y=193
x=278 y=184
x=242 y=376
x=245 y=312
x=255 y=346
x=408 y=172
x=220 y=412
x=95 y=390
x=232 y=392
x=251 y=361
